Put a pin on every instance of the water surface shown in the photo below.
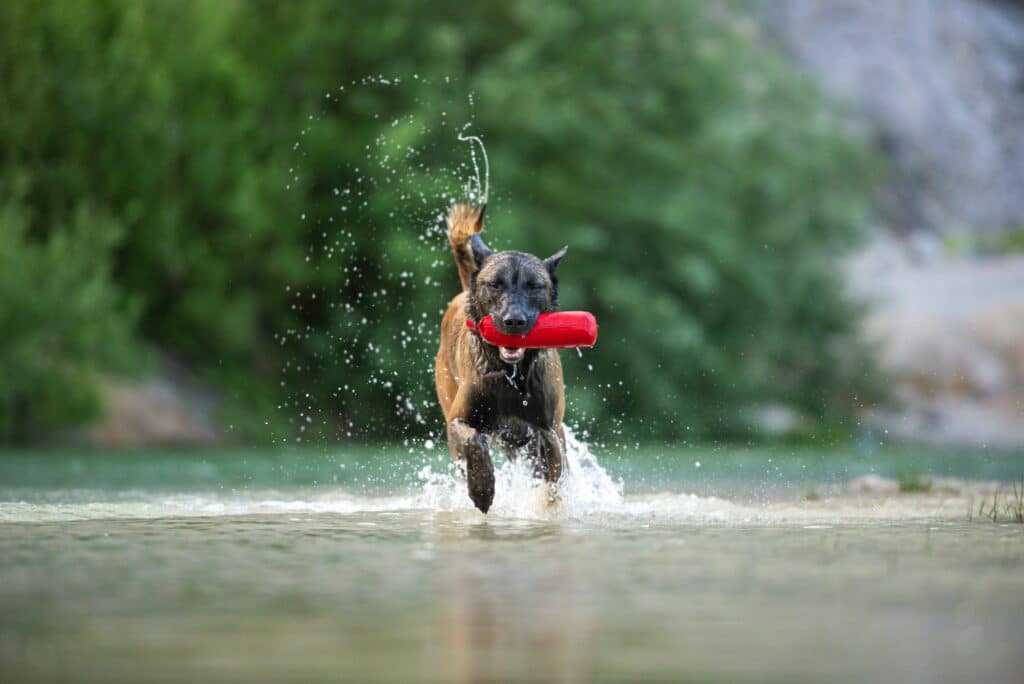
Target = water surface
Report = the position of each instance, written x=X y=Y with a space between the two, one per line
x=372 y=566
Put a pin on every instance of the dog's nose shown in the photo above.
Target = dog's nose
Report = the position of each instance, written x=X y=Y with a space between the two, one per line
x=515 y=323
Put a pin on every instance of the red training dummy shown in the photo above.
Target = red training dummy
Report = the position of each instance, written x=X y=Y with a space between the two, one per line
x=557 y=330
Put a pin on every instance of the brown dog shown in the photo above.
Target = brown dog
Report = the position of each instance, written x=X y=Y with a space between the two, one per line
x=514 y=395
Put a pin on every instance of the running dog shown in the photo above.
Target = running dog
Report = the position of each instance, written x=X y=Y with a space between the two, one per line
x=510 y=395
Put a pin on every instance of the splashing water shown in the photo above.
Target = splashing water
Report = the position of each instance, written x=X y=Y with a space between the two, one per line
x=585 y=488
x=483 y=190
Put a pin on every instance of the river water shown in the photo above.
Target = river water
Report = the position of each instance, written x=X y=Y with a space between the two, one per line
x=270 y=567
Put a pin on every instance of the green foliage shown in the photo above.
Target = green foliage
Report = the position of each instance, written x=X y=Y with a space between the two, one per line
x=1009 y=240
x=913 y=482
x=61 y=318
x=704 y=192
x=1008 y=509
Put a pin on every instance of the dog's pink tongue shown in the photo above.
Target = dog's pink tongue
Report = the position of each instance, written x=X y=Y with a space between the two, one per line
x=511 y=353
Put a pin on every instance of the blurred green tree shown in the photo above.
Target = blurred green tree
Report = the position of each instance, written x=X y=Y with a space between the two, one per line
x=276 y=220
x=62 y=318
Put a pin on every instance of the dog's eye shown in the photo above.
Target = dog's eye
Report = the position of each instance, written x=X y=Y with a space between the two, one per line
x=534 y=286
x=495 y=285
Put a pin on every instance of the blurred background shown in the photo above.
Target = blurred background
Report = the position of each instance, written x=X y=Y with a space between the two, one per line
x=220 y=221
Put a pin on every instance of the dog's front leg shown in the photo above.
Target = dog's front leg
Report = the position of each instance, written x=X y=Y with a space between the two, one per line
x=470 y=448
x=548 y=461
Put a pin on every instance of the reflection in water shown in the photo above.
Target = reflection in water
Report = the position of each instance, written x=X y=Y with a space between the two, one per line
x=541 y=631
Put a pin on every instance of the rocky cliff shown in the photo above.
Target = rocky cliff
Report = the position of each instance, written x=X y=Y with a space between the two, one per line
x=940 y=86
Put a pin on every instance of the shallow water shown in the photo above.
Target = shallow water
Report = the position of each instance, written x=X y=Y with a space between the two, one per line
x=263 y=567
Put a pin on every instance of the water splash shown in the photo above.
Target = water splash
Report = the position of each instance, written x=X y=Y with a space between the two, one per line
x=483 y=190
x=585 y=488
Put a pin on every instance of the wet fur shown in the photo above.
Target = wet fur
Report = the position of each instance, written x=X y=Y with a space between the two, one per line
x=480 y=403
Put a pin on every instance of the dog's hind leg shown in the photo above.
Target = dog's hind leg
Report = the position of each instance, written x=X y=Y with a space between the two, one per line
x=514 y=436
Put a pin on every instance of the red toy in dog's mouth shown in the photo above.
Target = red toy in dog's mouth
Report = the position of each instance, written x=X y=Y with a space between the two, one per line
x=557 y=330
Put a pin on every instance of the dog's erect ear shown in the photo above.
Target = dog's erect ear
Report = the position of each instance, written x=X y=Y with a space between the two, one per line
x=552 y=261
x=480 y=250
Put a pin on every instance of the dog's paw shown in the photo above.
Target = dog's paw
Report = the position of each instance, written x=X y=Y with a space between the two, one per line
x=480 y=474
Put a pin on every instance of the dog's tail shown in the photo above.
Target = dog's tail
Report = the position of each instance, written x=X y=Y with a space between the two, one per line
x=464 y=221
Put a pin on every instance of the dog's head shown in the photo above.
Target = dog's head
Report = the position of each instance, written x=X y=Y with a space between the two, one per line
x=513 y=288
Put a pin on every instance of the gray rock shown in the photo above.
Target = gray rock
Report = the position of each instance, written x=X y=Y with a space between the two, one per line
x=941 y=82
x=871 y=484
x=950 y=333
x=941 y=85
x=162 y=409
